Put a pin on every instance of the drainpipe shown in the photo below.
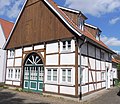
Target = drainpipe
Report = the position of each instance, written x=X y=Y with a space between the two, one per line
x=80 y=45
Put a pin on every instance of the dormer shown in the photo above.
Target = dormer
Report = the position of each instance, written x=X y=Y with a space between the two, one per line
x=75 y=15
x=81 y=21
x=98 y=32
x=95 y=31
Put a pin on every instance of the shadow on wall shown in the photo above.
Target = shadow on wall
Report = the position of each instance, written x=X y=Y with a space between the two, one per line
x=10 y=98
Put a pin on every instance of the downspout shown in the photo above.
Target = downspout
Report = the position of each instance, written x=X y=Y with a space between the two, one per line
x=80 y=46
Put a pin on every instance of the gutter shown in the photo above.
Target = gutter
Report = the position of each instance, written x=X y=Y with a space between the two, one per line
x=80 y=46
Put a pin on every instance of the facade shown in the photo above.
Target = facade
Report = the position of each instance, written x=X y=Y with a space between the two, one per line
x=5 y=28
x=51 y=50
x=115 y=62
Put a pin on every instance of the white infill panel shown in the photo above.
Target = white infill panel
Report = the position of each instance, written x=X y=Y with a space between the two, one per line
x=98 y=65
x=27 y=48
x=18 y=53
x=16 y=83
x=92 y=63
x=98 y=76
x=67 y=59
x=51 y=88
x=10 y=62
x=84 y=89
x=98 y=85
x=84 y=60
x=103 y=84
x=103 y=65
x=36 y=47
x=51 y=48
x=91 y=87
x=52 y=59
x=42 y=53
x=8 y=82
x=18 y=61
x=67 y=90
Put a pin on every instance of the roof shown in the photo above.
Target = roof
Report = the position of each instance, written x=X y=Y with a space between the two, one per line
x=72 y=10
x=89 y=25
x=68 y=22
x=115 y=60
x=6 y=26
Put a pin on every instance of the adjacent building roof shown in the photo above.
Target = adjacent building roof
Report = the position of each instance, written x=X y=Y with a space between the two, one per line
x=69 y=23
x=115 y=60
x=6 y=26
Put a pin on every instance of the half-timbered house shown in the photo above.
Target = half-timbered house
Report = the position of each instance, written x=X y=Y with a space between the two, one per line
x=5 y=28
x=52 y=50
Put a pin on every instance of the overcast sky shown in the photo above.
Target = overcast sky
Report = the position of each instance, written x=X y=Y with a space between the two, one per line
x=102 y=13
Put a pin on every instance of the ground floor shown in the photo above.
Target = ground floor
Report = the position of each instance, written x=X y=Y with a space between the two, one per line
x=46 y=69
x=14 y=97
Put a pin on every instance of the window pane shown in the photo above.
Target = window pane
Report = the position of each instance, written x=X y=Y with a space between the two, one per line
x=69 y=72
x=69 y=79
x=55 y=75
x=49 y=74
x=63 y=78
x=54 y=78
x=63 y=72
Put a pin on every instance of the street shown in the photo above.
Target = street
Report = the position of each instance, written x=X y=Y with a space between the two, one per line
x=15 y=97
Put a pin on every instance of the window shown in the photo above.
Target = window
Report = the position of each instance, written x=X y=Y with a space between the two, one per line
x=109 y=57
x=69 y=45
x=102 y=55
x=52 y=75
x=66 y=75
x=63 y=75
x=17 y=73
x=10 y=73
x=11 y=53
x=49 y=75
x=66 y=45
x=81 y=23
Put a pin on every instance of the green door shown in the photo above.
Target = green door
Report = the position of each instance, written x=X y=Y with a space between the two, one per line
x=33 y=74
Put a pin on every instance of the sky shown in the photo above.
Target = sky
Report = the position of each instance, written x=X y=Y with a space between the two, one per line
x=105 y=14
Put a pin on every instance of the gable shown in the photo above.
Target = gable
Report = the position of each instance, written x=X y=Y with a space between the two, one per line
x=37 y=23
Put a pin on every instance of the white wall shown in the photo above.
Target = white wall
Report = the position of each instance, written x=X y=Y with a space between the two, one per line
x=52 y=48
x=67 y=59
x=2 y=56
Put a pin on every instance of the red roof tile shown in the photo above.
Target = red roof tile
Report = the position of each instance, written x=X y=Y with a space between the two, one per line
x=7 y=27
x=115 y=60
x=86 y=33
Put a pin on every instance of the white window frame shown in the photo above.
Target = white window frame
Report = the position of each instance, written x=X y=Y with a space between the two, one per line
x=66 y=46
x=52 y=75
x=13 y=75
x=81 y=23
x=12 y=53
x=66 y=76
x=17 y=73
x=10 y=73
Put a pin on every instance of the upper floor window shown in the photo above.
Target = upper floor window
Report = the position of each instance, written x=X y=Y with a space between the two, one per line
x=66 y=45
x=81 y=23
x=98 y=35
x=102 y=55
x=12 y=52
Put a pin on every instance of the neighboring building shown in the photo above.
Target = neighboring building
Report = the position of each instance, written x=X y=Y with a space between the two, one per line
x=5 y=28
x=44 y=52
x=116 y=72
